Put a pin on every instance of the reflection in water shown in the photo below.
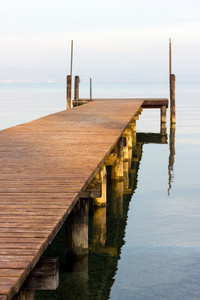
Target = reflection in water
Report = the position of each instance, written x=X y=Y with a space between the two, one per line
x=106 y=235
x=171 y=155
x=98 y=238
x=105 y=253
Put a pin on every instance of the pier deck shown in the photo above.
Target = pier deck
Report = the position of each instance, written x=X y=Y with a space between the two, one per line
x=45 y=166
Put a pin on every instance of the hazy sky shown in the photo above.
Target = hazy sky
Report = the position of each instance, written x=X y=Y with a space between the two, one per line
x=114 y=40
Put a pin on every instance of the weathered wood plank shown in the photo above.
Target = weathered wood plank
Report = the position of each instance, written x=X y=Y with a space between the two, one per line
x=11 y=272
x=14 y=265
x=3 y=297
x=14 y=281
x=6 y=291
x=155 y=103
x=15 y=258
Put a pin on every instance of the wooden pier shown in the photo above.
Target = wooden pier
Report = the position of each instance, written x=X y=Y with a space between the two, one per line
x=47 y=166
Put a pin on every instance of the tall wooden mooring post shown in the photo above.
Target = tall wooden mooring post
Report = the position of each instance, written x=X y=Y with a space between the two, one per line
x=172 y=88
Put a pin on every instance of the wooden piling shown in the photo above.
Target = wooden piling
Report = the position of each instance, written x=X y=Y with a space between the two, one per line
x=163 y=114
x=78 y=263
x=76 y=89
x=101 y=175
x=69 y=83
x=172 y=87
x=77 y=238
x=128 y=133
x=125 y=149
x=163 y=120
x=128 y=152
x=172 y=99
x=170 y=58
x=90 y=89
x=71 y=58
x=24 y=295
x=132 y=123
x=117 y=171
x=77 y=229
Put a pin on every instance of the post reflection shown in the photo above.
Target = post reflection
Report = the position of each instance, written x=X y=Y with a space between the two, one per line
x=171 y=155
x=98 y=238
x=116 y=191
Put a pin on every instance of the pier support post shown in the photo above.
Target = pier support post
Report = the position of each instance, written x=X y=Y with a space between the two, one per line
x=125 y=148
x=76 y=90
x=69 y=86
x=139 y=111
x=163 y=120
x=133 y=124
x=117 y=171
x=128 y=151
x=90 y=89
x=24 y=295
x=102 y=176
x=126 y=160
x=172 y=99
x=77 y=237
x=134 y=139
x=128 y=134
x=163 y=114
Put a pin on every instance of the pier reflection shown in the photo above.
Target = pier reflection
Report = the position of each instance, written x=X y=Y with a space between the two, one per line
x=171 y=155
x=107 y=226
x=105 y=253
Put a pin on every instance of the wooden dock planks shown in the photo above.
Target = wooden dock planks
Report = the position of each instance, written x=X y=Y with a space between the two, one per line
x=44 y=166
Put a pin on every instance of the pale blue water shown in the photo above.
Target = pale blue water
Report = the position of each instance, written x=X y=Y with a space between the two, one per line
x=21 y=103
x=160 y=256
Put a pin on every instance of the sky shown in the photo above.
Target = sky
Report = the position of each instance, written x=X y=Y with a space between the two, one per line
x=114 y=40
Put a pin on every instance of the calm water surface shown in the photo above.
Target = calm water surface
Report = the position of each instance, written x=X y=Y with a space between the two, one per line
x=148 y=248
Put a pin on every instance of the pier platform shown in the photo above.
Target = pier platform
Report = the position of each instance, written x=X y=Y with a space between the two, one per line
x=46 y=166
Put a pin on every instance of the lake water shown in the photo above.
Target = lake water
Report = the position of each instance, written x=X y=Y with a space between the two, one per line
x=150 y=248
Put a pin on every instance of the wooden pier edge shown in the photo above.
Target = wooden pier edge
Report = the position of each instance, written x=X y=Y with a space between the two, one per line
x=147 y=102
